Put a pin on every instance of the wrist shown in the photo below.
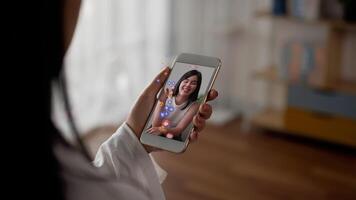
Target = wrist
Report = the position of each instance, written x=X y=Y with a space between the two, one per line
x=149 y=149
x=162 y=129
x=163 y=98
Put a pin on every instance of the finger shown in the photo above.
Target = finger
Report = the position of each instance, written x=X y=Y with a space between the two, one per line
x=193 y=137
x=166 y=92
x=158 y=81
x=150 y=149
x=212 y=95
x=199 y=123
x=205 y=111
x=156 y=133
x=152 y=130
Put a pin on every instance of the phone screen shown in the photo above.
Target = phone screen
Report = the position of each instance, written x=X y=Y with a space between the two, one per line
x=179 y=101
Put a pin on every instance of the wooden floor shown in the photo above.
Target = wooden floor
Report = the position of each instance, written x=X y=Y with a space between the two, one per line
x=227 y=163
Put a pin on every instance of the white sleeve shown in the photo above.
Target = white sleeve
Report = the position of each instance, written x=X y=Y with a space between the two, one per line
x=124 y=155
x=162 y=174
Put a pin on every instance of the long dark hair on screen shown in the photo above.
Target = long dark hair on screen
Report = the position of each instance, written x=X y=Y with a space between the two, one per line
x=194 y=96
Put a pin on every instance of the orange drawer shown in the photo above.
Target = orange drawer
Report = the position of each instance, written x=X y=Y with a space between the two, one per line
x=321 y=126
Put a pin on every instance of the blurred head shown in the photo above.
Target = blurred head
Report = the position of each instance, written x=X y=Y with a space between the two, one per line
x=188 y=86
x=58 y=24
x=71 y=10
x=60 y=19
x=59 y=33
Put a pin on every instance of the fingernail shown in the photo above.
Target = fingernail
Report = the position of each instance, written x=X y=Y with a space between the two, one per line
x=200 y=118
x=205 y=107
x=166 y=71
x=216 y=93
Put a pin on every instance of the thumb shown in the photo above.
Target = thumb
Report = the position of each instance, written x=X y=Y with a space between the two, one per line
x=142 y=108
x=157 y=83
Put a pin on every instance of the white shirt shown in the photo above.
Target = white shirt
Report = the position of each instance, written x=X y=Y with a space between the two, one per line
x=177 y=114
x=122 y=169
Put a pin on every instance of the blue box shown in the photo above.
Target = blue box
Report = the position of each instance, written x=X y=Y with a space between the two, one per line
x=336 y=103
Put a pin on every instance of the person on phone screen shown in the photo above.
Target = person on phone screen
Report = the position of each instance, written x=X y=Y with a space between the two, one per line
x=122 y=167
x=177 y=106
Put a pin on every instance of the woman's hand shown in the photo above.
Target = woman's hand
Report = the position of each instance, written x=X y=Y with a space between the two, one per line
x=156 y=130
x=145 y=102
x=204 y=113
x=168 y=93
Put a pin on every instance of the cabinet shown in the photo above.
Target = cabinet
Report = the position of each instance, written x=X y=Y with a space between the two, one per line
x=323 y=106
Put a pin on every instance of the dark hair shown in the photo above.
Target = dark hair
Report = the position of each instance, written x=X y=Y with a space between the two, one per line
x=194 y=96
x=51 y=54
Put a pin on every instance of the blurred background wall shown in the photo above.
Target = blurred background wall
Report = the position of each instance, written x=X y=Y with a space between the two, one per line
x=119 y=46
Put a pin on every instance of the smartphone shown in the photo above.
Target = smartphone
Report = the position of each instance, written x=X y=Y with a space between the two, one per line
x=170 y=121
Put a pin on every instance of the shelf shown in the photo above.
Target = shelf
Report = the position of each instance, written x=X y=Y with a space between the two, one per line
x=322 y=126
x=345 y=87
x=269 y=74
x=230 y=31
x=333 y=24
x=305 y=123
x=341 y=25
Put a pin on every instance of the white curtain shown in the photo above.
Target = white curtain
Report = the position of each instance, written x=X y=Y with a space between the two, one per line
x=119 y=45
x=117 y=48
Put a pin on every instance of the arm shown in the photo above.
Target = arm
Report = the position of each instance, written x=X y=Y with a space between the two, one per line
x=137 y=174
x=188 y=117
x=123 y=155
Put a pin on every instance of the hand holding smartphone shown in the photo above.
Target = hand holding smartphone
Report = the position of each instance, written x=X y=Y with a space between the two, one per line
x=170 y=121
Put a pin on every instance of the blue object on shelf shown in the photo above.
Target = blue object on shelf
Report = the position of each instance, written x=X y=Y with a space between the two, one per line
x=279 y=7
x=336 y=103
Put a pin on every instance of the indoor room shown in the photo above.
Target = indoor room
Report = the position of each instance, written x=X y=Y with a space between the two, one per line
x=283 y=125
